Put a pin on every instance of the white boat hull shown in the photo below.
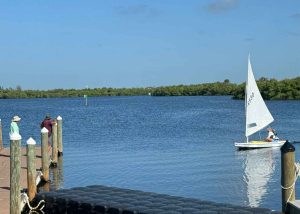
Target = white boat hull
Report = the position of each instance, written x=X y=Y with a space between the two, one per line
x=259 y=144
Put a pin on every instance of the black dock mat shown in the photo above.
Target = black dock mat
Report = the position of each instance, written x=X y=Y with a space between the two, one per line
x=110 y=200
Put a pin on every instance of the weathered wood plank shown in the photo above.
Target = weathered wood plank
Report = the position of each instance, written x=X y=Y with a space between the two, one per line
x=5 y=174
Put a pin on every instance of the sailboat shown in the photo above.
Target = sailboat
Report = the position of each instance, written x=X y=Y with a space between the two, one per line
x=258 y=115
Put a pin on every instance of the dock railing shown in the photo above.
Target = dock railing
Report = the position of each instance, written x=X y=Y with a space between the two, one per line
x=1 y=142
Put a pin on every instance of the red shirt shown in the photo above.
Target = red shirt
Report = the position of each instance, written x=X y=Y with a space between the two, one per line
x=47 y=123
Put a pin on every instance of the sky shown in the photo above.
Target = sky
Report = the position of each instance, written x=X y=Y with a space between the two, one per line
x=146 y=43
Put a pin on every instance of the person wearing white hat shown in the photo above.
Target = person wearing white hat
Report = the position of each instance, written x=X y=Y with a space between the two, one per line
x=14 y=128
x=271 y=135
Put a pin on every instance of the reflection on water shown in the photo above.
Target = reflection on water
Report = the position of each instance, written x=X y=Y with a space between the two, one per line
x=57 y=175
x=56 y=178
x=259 y=167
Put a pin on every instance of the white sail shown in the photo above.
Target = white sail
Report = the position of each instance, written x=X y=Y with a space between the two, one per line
x=257 y=114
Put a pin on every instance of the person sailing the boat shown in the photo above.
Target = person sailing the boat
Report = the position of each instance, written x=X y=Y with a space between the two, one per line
x=272 y=135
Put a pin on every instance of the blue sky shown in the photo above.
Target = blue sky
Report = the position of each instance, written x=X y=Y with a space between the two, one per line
x=139 y=43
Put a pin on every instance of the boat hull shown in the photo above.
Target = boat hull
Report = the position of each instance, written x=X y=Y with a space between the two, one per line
x=259 y=144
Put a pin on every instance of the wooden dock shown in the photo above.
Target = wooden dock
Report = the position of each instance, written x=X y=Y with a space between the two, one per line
x=5 y=175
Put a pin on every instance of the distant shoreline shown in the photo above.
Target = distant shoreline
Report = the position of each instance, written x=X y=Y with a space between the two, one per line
x=271 y=89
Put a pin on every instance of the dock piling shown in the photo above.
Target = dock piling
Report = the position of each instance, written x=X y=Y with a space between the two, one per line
x=45 y=155
x=60 y=171
x=31 y=169
x=1 y=143
x=54 y=145
x=15 y=170
x=59 y=136
x=287 y=174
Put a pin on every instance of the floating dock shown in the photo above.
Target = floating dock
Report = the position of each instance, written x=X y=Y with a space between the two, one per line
x=111 y=200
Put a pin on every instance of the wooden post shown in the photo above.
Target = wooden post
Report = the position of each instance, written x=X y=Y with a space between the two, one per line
x=15 y=170
x=86 y=97
x=46 y=187
x=55 y=178
x=45 y=156
x=287 y=174
x=54 y=145
x=60 y=171
x=31 y=169
x=59 y=136
x=1 y=143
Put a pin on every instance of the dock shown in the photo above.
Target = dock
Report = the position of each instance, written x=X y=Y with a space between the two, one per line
x=109 y=200
x=5 y=175
x=98 y=199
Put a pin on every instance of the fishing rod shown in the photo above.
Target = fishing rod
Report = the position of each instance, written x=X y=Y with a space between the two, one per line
x=294 y=142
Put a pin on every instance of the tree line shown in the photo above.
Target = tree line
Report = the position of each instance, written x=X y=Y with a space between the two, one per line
x=205 y=89
x=19 y=93
x=271 y=89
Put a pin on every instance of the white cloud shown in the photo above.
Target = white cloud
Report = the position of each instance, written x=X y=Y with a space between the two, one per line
x=296 y=16
x=220 y=6
x=139 y=9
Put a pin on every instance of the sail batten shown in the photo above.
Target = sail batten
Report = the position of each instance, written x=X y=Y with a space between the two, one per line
x=258 y=115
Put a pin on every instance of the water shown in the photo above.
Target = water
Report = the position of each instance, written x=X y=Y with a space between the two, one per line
x=181 y=146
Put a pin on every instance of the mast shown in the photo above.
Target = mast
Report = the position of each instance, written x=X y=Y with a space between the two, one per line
x=246 y=112
x=246 y=85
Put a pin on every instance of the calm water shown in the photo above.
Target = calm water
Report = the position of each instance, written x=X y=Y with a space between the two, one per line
x=175 y=145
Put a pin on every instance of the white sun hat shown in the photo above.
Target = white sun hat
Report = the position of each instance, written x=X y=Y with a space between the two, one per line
x=16 y=118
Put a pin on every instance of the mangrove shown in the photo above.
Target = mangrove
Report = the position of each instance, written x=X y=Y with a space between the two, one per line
x=271 y=89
